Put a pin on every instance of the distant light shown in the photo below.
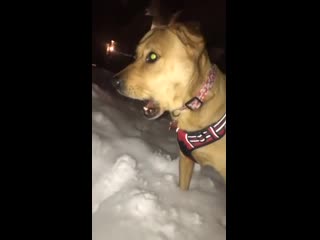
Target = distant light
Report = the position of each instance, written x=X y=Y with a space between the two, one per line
x=111 y=48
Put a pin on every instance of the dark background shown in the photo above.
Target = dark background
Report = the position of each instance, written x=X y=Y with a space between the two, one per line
x=48 y=122
x=125 y=22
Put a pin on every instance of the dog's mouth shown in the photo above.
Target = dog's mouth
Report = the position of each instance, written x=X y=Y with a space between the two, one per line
x=152 y=110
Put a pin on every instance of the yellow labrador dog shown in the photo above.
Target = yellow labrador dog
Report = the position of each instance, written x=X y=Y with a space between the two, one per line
x=172 y=72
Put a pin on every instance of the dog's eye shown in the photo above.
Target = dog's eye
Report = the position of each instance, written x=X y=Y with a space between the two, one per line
x=152 y=57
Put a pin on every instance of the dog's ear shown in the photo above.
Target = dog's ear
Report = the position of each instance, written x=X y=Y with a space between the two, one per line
x=189 y=34
x=174 y=18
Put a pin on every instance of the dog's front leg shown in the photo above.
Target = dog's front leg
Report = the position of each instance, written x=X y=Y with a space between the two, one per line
x=185 y=171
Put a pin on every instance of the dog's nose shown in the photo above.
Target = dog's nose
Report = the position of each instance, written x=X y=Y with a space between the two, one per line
x=116 y=82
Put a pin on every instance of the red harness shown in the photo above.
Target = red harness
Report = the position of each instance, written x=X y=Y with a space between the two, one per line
x=190 y=141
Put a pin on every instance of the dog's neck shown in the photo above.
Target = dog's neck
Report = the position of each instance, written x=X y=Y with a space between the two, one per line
x=213 y=107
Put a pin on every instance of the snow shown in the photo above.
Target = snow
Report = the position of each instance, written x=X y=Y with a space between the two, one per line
x=135 y=175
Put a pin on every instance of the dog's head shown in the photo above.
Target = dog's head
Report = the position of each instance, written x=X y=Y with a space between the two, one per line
x=168 y=62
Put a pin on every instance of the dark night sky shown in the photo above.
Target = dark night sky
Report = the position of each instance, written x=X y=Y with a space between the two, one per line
x=108 y=15
x=109 y=20
x=125 y=22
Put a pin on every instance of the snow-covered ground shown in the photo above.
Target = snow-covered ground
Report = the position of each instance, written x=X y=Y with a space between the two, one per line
x=134 y=179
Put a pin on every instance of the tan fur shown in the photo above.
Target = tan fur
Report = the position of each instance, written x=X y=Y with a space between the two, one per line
x=175 y=78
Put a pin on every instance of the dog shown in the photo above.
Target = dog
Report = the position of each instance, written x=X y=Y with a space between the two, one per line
x=172 y=72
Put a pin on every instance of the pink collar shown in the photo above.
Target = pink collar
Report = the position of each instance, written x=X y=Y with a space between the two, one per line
x=196 y=102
